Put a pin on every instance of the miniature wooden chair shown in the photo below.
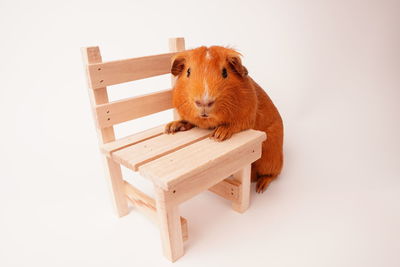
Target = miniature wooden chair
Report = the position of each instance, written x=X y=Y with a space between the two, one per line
x=180 y=165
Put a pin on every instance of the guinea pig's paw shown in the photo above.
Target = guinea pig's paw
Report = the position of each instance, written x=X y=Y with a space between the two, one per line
x=221 y=133
x=263 y=183
x=177 y=126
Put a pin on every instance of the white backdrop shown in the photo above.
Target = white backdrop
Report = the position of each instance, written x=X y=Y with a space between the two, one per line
x=332 y=68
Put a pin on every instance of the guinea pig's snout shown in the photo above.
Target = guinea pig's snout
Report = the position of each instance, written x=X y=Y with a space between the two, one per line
x=204 y=104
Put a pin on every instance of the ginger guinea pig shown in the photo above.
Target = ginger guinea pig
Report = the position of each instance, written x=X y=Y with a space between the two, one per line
x=213 y=90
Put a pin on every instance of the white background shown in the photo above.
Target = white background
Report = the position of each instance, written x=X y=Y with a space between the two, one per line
x=331 y=67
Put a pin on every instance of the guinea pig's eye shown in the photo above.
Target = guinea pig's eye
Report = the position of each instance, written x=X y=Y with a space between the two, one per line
x=224 y=73
x=188 y=72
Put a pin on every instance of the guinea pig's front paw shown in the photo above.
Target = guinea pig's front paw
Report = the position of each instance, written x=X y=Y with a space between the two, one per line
x=177 y=126
x=222 y=133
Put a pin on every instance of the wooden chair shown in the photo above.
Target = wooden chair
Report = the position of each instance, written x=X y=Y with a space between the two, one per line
x=180 y=165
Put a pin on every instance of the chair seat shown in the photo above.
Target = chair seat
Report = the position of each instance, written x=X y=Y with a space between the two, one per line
x=168 y=159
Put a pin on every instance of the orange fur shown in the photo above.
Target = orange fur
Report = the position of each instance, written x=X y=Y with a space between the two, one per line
x=228 y=105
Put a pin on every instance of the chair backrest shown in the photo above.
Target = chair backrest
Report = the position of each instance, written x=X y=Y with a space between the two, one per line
x=102 y=74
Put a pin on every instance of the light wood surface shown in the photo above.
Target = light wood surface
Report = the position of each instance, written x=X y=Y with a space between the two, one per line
x=243 y=176
x=92 y=55
x=126 y=70
x=131 y=140
x=198 y=182
x=176 y=44
x=141 y=201
x=175 y=167
x=147 y=206
x=170 y=226
x=133 y=108
x=228 y=189
x=151 y=149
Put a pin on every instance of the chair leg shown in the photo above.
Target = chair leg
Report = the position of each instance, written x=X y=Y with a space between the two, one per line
x=244 y=177
x=116 y=185
x=170 y=226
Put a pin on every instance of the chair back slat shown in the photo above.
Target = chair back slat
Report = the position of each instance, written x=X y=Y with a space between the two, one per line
x=127 y=70
x=102 y=74
x=133 y=108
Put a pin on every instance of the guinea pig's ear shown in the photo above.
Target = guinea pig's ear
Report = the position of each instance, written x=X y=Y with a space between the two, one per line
x=178 y=65
x=235 y=63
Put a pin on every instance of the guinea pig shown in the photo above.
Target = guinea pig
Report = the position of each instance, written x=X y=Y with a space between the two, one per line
x=214 y=91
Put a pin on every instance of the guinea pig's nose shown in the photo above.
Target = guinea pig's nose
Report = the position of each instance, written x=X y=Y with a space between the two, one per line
x=203 y=104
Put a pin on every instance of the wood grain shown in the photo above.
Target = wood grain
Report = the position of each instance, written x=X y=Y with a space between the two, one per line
x=131 y=140
x=243 y=176
x=197 y=158
x=228 y=189
x=126 y=70
x=170 y=226
x=147 y=206
x=136 y=155
x=132 y=108
x=92 y=55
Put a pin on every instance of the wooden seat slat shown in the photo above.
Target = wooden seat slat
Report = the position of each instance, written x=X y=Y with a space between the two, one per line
x=142 y=152
x=190 y=160
x=118 y=144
